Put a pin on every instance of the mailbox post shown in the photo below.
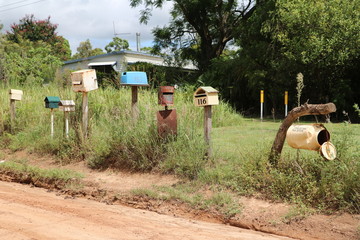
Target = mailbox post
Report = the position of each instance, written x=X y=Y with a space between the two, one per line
x=15 y=95
x=135 y=80
x=84 y=81
x=67 y=106
x=52 y=102
x=207 y=97
x=166 y=119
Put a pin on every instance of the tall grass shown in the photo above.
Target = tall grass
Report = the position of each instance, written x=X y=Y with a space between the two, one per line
x=115 y=139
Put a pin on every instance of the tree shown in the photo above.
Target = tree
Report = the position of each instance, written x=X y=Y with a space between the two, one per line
x=200 y=29
x=117 y=44
x=35 y=30
x=27 y=62
x=85 y=50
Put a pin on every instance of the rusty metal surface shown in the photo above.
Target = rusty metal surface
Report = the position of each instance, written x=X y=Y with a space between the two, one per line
x=166 y=122
x=166 y=95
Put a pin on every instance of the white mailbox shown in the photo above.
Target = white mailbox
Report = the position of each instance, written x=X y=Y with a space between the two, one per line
x=67 y=105
x=205 y=96
x=84 y=80
x=16 y=94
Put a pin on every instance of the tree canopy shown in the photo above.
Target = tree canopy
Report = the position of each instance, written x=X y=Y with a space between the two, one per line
x=85 y=50
x=117 y=44
x=29 y=28
x=199 y=30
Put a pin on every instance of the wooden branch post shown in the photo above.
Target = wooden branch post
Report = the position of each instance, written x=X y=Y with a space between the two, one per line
x=85 y=113
x=207 y=128
x=134 y=103
x=303 y=110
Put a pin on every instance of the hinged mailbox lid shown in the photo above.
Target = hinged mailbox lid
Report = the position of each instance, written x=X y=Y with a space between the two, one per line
x=205 y=96
x=134 y=79
x=328 y=151
x=16 y=94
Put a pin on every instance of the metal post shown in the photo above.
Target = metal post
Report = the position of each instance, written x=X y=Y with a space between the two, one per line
x=66 y=124
x=207 y=128
x=85 y=110
x=52 y=121
x=134 y=102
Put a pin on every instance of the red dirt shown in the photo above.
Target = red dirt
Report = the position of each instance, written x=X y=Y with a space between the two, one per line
x=264 y=216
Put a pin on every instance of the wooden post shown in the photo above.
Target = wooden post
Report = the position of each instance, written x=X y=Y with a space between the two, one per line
x=12 y=112
x=52 y=121
x=85 y=110
x=305 y=109
x=66 y=114
x=207 y=128
x=286 y=100
x=134 y=102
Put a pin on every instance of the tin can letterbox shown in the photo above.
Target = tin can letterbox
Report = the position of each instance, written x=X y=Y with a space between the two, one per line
x=166 y=95
x=16 y=94
x=311 y=137
x=134 y=79
x=52 y=102
x=206 y=96
x=84 y=80
x=67 y=105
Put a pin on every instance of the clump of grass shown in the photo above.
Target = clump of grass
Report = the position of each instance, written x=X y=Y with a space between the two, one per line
x=34 y=174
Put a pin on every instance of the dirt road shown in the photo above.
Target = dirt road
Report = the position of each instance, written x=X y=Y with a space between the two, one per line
x=33 y=213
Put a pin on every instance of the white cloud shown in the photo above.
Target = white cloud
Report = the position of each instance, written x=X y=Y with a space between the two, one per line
x=79 y=20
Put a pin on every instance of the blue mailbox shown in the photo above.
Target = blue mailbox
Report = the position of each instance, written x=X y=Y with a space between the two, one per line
x=134 y=79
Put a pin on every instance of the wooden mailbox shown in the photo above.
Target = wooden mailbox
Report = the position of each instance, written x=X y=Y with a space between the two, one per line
x=52 y=102
x=15 y=94
x=134 y=79
x=84 y=80
x=206 y=96
x=67 y=105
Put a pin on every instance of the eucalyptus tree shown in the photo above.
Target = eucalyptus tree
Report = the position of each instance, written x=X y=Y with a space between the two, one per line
x=199 y=30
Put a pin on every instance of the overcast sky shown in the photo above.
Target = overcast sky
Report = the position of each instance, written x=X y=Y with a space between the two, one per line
x=79 y=20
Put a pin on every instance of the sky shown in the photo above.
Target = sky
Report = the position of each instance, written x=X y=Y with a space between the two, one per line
x=79 y=20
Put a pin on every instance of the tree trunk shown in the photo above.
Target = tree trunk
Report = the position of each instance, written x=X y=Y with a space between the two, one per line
x=303 y=110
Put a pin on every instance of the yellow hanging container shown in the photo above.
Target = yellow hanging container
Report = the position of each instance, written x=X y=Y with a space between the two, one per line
x=311 y=137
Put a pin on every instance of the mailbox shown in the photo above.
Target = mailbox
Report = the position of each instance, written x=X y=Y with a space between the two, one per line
x=84 y=80
x=166 y=95
x=311 y=137
x=16 y=94
x=67 y=105
x=134 y=79
x=206 y=96
x=52 y=102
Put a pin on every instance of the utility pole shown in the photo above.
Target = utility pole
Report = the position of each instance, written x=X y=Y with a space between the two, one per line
x=138 y=42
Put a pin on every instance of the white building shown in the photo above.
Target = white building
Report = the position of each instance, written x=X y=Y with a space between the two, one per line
x=115 y=60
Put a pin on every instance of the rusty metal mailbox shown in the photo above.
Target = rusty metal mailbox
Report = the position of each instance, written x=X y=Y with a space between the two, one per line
x=311 y=137
x=166 y=95
x=84 y=80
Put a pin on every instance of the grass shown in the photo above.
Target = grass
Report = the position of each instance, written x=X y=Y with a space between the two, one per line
x=32 y=174
x=239 y=165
